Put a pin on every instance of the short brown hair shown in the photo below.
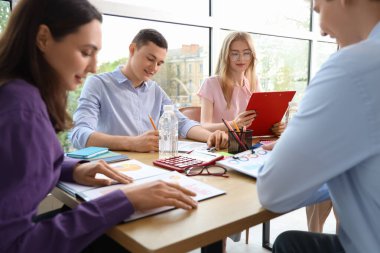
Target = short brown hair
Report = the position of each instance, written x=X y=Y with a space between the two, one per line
x=150 y=35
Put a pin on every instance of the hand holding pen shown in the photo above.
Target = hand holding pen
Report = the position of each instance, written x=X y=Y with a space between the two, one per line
x=145 y=142
x=152 y=122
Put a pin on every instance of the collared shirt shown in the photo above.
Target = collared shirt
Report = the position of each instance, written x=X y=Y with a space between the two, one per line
x=110 y=104
x=332 y=146
x=32 y=162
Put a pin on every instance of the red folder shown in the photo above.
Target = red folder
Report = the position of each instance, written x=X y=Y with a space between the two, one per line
x=270 y=107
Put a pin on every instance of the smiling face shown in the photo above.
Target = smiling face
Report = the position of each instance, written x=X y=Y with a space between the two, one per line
x=144 y=62
x=73 y=56
x=240 y=56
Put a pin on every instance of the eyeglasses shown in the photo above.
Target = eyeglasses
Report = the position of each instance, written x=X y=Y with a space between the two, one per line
x=253 y=155
x=206 y=171
x=245 y=56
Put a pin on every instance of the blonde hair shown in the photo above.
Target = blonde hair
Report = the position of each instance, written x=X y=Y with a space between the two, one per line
x=223 y=65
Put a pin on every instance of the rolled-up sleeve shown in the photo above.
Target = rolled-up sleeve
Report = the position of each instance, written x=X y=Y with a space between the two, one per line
x=184 y=124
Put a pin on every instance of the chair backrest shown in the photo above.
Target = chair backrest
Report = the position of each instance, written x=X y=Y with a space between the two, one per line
x=192 y=112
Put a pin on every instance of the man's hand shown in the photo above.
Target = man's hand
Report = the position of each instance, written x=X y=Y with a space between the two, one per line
x=218 y=139
x=146 y=142
x=84 y=173
x=159 y=193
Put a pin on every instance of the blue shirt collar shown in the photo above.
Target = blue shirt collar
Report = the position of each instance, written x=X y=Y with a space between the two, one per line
x=122 y=79
x=375 y=31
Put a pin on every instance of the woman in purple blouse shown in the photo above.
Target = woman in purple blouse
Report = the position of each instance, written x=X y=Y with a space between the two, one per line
x=46 y=50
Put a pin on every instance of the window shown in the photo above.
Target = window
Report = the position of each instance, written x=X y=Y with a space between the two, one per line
x=282 y=16
x=5 y=10
x=282 y=63
x=198 y=7
x=188 y=45
x=323 y=50
x=285 y=33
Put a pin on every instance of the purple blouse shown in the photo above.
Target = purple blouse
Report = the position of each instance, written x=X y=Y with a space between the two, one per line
x=32 y=161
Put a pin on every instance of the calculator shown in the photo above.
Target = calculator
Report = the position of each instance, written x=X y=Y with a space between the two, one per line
x=184 y=161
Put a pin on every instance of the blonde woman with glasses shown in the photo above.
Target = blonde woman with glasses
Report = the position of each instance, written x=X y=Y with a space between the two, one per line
x=227 y=94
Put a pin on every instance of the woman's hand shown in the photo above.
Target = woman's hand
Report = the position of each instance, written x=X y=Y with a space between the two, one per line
x=159 y=193
x=269 y=146
x=84 y=173
x=278 y=128
x=245 y=118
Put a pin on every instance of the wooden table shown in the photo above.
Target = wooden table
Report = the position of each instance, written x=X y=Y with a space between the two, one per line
x=181 y=231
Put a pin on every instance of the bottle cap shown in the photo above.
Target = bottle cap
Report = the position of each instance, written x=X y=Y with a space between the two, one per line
x=168 y=107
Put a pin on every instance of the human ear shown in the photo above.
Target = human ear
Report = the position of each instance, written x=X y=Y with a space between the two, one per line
x=132 y=49
x=43 y=37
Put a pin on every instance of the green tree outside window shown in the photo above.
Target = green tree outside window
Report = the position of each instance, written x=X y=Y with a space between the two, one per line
x=5 y=10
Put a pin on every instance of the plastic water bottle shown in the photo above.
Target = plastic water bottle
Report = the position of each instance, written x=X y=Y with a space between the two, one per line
x=168 y=132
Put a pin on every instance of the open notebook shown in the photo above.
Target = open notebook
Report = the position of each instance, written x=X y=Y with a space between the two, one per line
x=203 y=191
x=132 y=168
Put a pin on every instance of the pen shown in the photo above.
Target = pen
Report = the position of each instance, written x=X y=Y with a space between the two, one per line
x=236 y=126
x=234 y=134
x=152 y=122
x=211 y=149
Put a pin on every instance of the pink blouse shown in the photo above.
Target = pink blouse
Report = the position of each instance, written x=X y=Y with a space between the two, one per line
x=211 y=90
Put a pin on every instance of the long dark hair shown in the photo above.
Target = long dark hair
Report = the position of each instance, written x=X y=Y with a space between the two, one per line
x=21 y=58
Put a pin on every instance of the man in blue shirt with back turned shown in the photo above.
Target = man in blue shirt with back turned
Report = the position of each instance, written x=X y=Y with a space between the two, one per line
x=331 y=148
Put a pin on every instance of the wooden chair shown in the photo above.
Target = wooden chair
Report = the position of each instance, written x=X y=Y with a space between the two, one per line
x=192 y=112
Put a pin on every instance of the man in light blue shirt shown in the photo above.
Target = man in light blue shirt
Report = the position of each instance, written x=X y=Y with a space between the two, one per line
x=331 y=148
x=114 y=107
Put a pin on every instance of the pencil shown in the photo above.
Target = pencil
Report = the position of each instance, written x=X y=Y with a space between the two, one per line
x=152 y=122
x=236 y=126
x=236 y=137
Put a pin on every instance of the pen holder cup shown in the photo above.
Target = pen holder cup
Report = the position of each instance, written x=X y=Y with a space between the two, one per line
x=234 y=146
